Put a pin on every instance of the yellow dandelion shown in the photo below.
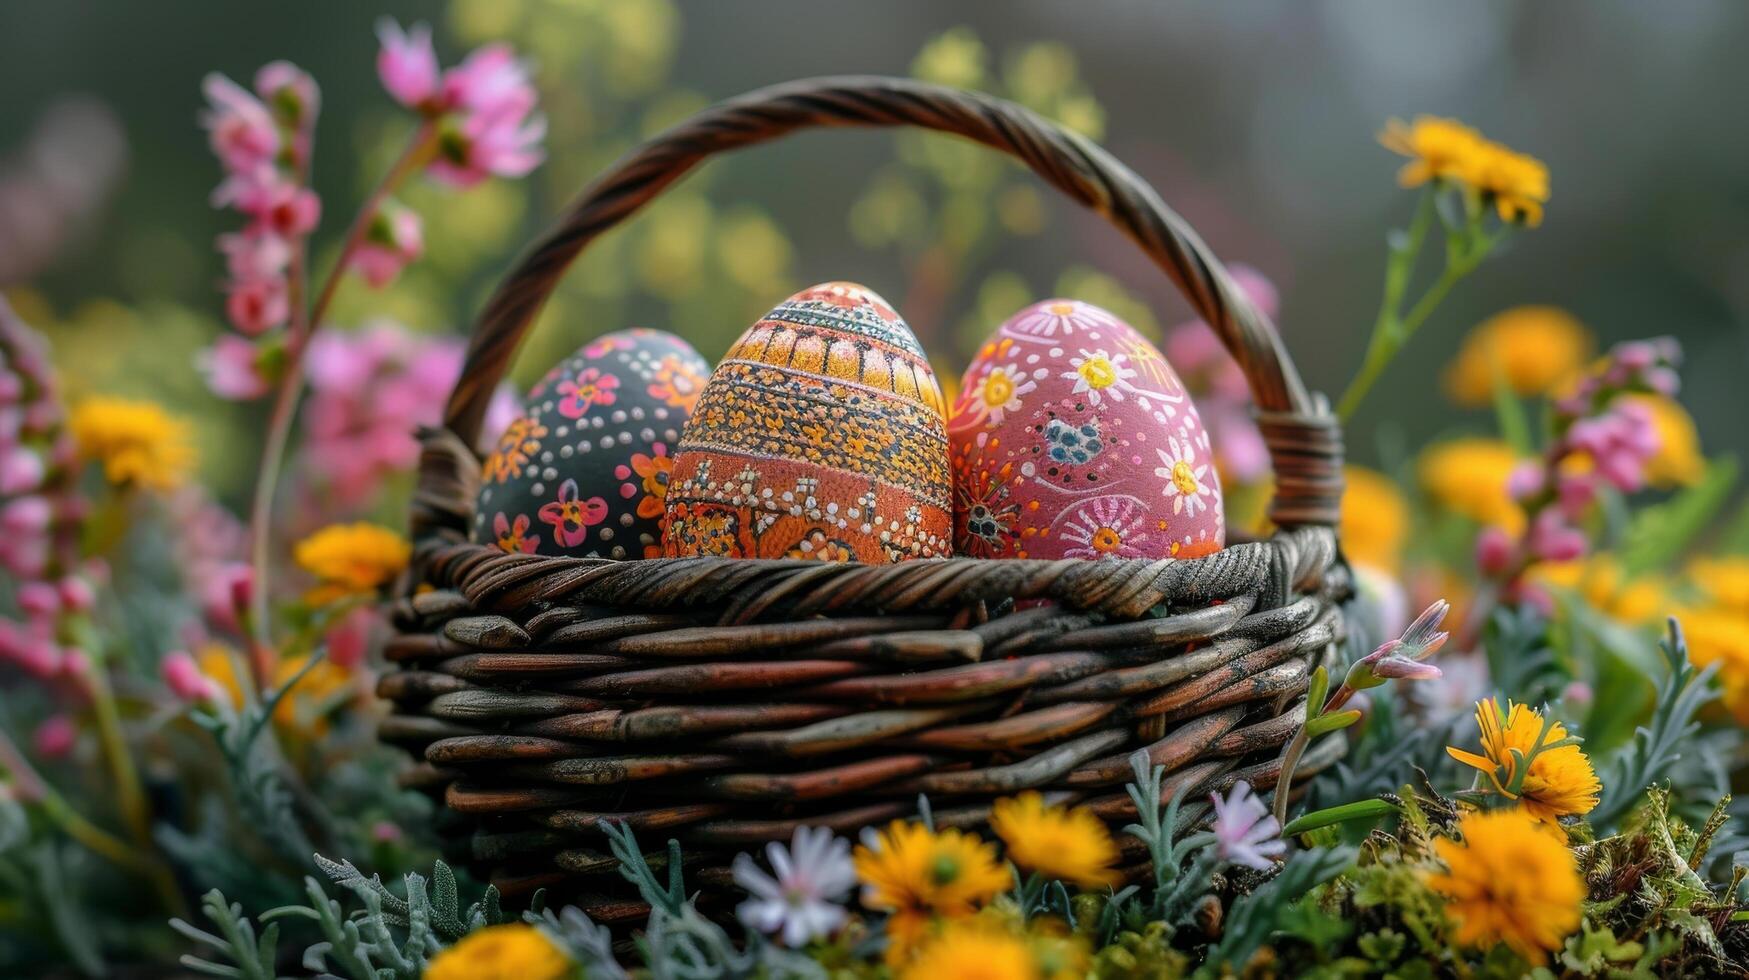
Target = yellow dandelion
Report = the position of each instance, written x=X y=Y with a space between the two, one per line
x=1438 y=149
x=1678 y=461
x=1721 y=636
x=515 y=951
x=138 y=443
x=1532 y=349
x=916 y=873
x=1058 y=843
x=1560 y=781
x=1375 y=518
x=974 y=952
x=1516 y=183
x=351 y=559
x=1469 y=476
x=1508 y=881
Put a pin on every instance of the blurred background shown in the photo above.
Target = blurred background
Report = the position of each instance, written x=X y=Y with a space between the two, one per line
x=1257 y=121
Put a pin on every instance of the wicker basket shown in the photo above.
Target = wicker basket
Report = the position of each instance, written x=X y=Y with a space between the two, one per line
x=723 y=702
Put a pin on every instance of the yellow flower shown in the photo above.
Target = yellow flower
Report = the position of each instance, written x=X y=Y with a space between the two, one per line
x=1678 y=461
x=1439 y=149
x=1061 y=844
x=138 y=443
x=1560 y=780
x=974 y=952
x=1721 y=636
x=915 y=873
x=1375 y=518
x=1598 y=580
x=308 y=704
x=1724 y=580
x=1532 y=348
x=1517 y=183
x=1468 y=476
x=351 y=559
x=1509 y=881
x=516 y=951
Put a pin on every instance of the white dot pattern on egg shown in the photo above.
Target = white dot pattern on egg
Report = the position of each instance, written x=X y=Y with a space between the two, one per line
x=1072 y=437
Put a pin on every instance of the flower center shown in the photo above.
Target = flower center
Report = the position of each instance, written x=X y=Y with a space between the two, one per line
x=944 y=870
x=1106 y=540
x=998 y=389
x=1062 y=309
x=1098 y=372
x=1183 y=477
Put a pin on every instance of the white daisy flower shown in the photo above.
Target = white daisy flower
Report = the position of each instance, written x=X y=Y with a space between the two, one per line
x=813 y=876
x=999 y=392
x=1098 y=373
x=1184 y=477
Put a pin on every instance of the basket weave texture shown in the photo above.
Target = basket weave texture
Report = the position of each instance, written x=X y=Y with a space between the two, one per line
x=723 y=702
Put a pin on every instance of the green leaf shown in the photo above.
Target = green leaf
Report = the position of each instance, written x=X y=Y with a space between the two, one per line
x=1316 y=693
x=1659 y=534
x=1334 y=721
x=1358 y=810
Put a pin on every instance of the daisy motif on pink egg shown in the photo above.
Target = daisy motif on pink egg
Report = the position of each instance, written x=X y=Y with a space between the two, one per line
x=1054 y=316
x=999 y=392
x=1106 y=527
x=1099 y=374
x=571 y=516
x=1184 y=476
x=589 y=388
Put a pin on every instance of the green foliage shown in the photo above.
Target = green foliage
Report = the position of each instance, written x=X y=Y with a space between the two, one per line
x=1660 y=533
x=1681 y=695
x=1176 y=889
x=1272 y=906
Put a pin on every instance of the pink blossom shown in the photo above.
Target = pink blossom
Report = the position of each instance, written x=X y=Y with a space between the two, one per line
x=1245 y=832
x=38 y=599
x=225 y=592
x=233 y=369
x=349 y=640
x=256 y=306
x=185 y=680
x=255 y=254
x=490 y=82
x=31 y=646
x=1493 y=551
x=280 y=206
x=55 y=737
x=395 y=239
x=242 y=131
x=290 y=91
x=1620 y=442
x=1551 y=538
x=21 y=470
x=407 y=64
x=77 y=594
x=385 y=832
x=26 y=515
x=1404 y=657
x=485 y=145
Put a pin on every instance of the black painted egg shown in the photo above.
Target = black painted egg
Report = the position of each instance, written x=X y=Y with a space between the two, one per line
x=584 y=470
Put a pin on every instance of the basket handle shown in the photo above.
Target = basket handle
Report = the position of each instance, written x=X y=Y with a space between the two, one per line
x=1303 y=437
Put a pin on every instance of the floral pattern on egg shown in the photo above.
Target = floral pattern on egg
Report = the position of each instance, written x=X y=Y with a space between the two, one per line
x=1074 y=438
x=584 y=471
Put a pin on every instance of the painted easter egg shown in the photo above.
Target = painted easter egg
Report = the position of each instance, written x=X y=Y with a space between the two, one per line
x=1072 y=437
x=821 y=435
x=584 y=470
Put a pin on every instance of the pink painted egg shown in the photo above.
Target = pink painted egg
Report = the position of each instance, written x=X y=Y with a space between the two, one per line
x=1072 y=437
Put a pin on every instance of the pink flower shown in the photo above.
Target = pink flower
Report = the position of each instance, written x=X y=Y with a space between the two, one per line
x=572 y=517
x=21 y=470
x=1551 y=538
x=407 y=64
x=55 y=737
x=255 y=254
x=489 y=82
x=1493 y=551
x=232 y=366
x=224 y=593
x=1404 y=657
x=185 y=680
x=1245 y=833
x=590 y=387
x=1619 y=442
x=290 y=91
x=256 y=306
x=76 y=594
x=38 y=599
x=26 y=515
x=279 y=206
x=31 y=646
x=395 y=239
x=485 y=145
x=242 y=131
x=349 y=640
x=514 y=537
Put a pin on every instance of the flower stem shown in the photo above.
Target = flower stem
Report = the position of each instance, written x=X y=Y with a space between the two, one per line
x=1290 y=755
x=304 y=326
